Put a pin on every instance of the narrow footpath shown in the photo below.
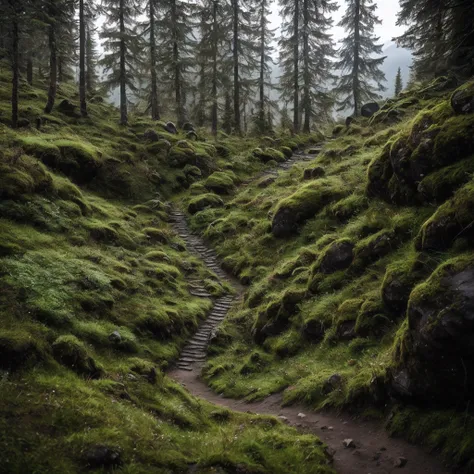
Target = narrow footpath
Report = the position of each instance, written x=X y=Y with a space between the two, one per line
x=369 y=449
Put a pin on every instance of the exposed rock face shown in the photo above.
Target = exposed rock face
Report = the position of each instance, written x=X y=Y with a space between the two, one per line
x=170 y=127
x=313 y=330
x=338 y=257
x=369 y=109
x=462 y=101
x=284 y=223
x=438 y=365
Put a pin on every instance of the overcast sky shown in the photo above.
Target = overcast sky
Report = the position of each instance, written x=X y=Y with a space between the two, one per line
x=386 y=11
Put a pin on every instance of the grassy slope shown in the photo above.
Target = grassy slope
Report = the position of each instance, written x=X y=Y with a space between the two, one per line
x=86 y=250
x=289 y=334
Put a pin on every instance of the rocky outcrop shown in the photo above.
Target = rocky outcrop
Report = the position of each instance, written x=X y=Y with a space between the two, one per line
x=369 y=109
x=435 y=353
x=338 y=256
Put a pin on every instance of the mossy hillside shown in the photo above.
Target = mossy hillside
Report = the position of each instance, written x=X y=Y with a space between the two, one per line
x=344 y=322
x=95 y=303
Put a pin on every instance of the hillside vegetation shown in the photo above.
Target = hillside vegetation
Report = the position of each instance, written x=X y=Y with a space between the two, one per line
x=96 y=298
x=360 y=271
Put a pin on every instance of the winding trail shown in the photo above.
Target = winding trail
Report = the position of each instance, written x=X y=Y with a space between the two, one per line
x=374 y=452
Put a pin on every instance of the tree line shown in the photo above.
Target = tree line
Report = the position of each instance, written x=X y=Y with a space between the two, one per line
x=210 y=61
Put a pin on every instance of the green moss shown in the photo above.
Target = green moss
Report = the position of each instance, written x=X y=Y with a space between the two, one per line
x=72 y=353
x=220 y=182
x=204 y=201
x=372 y=319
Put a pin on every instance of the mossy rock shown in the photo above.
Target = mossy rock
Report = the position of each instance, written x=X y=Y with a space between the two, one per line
x=346 y=317
x=304 y=204
x=220 y=182
x=372 y=319
x=205 y=201
x=222 y=150
x=335 y=257
x=156 y=235
x=23 y=175
x=433 y=362
x=72 y=353
x=18 y=348
x=269 y=154
x=287 y=151
x=451 y=221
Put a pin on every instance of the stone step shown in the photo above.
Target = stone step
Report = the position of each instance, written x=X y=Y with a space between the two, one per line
x=200 y=294
x=190 y=360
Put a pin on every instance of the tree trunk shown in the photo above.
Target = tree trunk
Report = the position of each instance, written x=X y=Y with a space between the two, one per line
x=177 y=70
x=123 y=85
x=82 y=59
x=235 y=6
x=60 y=69
x=15 y=71
x=355 y=69
x=296 y=91
x=29 y=69
x=306 y=88
x=53 y=69
x=89 y=67
x=214 y=70
x=261 y=111
x=155 y=110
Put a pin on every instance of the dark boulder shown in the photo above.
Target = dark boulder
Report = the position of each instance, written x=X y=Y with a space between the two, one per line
x=151 y=136
x=284 y=222
x=462 y=101
x=68 y=108
x=369 y=109
x=188 y=127
x=337 y=257
x=332 y=383
x=23 y=123
x=170 y=127
x=316 y=172
x=349 y=120
x=346 y=330
x=102 y=456
x=436 y=364
x=192 y=135
x=313 y=330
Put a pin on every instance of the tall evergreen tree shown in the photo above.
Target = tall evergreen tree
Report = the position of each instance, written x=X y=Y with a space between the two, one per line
x=362 y=78
x=212 y=61
x=121 y=49
x=92 y=77
x=176 y=49
x=57 y=16
x=82 y=58
x=306 y=49
x=426 y=35
x=398 y=82
x=265 y=39
x=149 y=32
x=12 y=21
x=245 y=50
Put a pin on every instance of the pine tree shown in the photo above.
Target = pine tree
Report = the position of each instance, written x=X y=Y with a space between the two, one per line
x=228 y=115
x=176 y=49
x=306 y=49
x=82 y=58
x=398 y=82
x=245 y=50
x=212 y=62
x=362 y=78
x=12 y=22
x=92 y=77
x=265 y=38
x=121 y=44
x=426 y=35
x=149 y=32
x=57 y=16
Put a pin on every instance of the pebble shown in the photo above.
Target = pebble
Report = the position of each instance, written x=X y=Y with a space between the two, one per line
x=400 y=462
x=301 y=415
x=349 y=443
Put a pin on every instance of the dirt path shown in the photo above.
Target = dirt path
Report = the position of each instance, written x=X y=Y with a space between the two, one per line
x=374 y=452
